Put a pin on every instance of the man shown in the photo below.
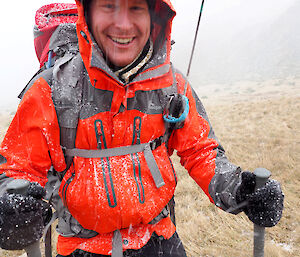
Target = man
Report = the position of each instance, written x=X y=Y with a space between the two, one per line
x=114 y=182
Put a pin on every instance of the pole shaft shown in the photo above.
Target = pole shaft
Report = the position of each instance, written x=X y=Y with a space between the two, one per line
x=259 y=241
x=195 y=40
x=34 y=250
x=262 y=176
x=48 y=243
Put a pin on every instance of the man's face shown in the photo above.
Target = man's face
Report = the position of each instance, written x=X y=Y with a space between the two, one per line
x=121 y=28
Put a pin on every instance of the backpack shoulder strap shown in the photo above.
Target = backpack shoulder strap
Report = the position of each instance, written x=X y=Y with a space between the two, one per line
x=167 y=93
x=174 y=105
x=69 y=78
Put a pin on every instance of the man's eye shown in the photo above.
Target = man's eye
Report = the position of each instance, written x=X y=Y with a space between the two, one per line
x=109 y=6
x=137 y=8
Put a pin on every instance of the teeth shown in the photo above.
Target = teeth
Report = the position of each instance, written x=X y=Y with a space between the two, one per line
x=122 y=40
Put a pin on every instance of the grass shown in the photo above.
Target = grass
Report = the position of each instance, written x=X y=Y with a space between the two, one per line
x=256 y=134
x=262 y=132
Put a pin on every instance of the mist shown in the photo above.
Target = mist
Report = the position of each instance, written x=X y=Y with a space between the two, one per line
x=238 y=40
x=229 y=43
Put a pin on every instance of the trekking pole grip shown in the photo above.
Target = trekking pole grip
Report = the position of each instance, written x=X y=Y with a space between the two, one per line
x=261 y=175
x=20 y=186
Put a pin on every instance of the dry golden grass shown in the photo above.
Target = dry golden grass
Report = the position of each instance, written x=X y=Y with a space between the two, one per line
x=262 y=131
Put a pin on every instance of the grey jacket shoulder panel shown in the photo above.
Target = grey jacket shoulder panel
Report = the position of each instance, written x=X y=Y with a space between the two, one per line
x=42 y=73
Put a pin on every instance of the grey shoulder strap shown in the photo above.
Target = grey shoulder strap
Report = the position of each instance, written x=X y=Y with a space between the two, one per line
x=67 y=93
x=167 y=93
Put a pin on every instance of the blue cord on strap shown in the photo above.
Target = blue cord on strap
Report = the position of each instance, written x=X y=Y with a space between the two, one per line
x=183 y=116
x=48 y=65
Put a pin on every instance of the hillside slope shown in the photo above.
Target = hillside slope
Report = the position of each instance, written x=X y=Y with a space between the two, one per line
x=260 y=52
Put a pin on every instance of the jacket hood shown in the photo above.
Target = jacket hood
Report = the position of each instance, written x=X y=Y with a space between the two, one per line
x=161 y=17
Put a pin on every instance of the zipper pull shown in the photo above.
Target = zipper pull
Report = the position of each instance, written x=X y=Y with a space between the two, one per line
x=138 y=130
x=99 y=135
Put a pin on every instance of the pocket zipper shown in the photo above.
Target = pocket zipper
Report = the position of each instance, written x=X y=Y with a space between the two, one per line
x=65 y=188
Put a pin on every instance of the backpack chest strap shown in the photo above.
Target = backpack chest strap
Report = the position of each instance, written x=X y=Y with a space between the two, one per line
x=146 y=148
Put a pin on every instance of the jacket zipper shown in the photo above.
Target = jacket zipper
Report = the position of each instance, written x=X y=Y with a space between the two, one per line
x=99 y=138
x=65 y=188
x=136 y=161
x=106 y=171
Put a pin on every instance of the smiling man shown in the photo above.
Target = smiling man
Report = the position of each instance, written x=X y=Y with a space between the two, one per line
x=95 y=130
x=120 y=28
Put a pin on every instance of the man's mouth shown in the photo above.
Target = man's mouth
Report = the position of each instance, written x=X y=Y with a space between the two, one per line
x=123 y=41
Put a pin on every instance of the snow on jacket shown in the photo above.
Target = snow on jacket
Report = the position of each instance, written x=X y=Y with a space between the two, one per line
x=100 y=195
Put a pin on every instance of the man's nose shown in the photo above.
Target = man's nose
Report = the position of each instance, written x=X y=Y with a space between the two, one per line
x=123 y=20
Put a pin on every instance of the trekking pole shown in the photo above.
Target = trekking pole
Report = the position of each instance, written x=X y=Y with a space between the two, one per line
x=195 y=40
x=20 y=186
x=262 y=176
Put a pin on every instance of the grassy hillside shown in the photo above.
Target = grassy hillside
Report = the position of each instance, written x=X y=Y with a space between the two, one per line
x=258 y=128
x=264 y=133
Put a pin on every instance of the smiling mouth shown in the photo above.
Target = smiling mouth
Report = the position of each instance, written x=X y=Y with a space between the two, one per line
x=122 y=41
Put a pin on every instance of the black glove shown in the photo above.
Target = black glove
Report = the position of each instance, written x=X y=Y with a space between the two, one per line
x=23 y=218
x=265 y=204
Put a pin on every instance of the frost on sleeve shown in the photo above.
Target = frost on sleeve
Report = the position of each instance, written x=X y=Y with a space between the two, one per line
x=32 y=143
x=203 y=156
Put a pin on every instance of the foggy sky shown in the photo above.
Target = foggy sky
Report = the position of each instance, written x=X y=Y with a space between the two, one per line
x=219 y=18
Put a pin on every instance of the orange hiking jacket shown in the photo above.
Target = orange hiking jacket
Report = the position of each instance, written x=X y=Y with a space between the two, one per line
x=117 y=192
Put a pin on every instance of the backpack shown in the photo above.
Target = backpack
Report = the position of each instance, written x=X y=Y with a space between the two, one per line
x=56 y=46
